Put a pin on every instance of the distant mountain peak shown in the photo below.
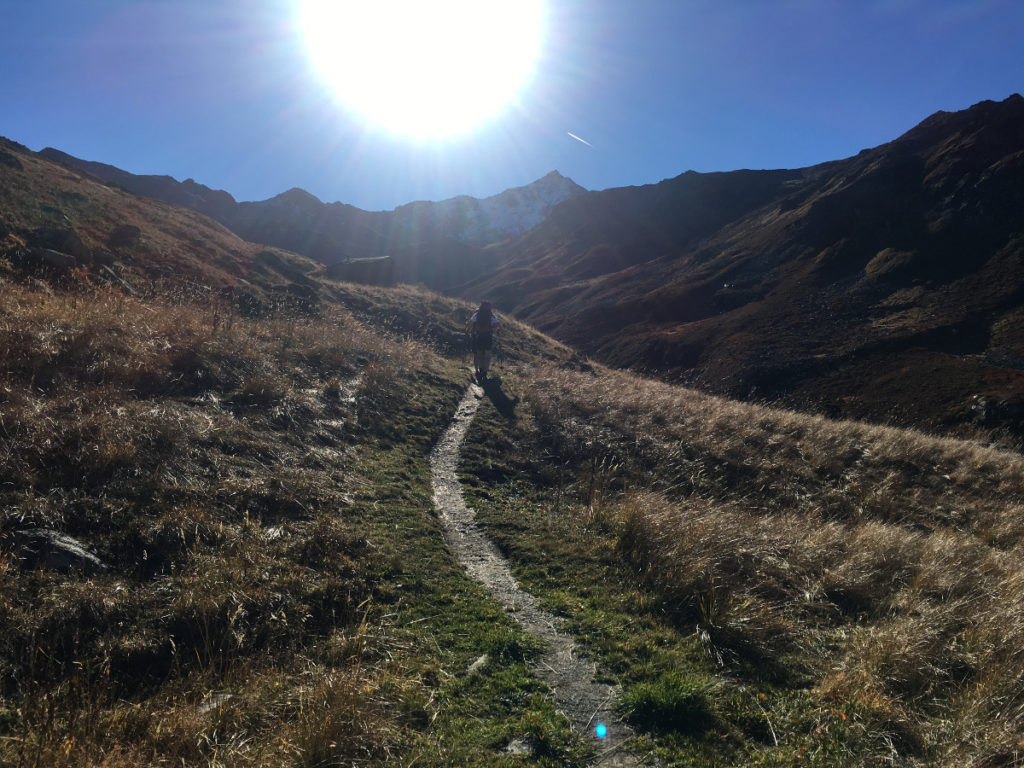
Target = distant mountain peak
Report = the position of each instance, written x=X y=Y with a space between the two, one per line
x=298 y=195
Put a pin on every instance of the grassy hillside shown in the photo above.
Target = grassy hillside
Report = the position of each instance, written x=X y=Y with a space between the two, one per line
x=274 y=588
x=771 y=588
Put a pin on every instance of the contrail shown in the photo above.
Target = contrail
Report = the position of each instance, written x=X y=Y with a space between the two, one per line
x=579 y=139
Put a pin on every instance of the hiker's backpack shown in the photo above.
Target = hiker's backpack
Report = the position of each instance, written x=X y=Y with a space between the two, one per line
x=482 y=326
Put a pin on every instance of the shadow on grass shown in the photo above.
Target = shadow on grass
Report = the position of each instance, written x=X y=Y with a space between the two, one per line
x=505 y=406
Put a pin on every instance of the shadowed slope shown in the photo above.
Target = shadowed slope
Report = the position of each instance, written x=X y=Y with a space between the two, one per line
x=841 y=286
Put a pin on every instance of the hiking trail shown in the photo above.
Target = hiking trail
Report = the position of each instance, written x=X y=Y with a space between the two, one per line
x=570 y=676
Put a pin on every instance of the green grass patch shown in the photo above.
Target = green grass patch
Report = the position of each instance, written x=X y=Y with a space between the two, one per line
x=673 y=701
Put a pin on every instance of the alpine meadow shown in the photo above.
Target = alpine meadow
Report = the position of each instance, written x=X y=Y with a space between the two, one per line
x=758 y=463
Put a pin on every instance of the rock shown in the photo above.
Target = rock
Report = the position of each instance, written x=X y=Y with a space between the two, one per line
x=521 y=746
x=215 y=700
x=56 y=551
x=62 y=240
x=477 y=665
x=102 y=257
x=47 y=257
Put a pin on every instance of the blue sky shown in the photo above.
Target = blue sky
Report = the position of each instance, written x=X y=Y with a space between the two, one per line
x=224 y=92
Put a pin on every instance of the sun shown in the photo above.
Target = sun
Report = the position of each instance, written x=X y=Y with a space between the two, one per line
x=424 y=68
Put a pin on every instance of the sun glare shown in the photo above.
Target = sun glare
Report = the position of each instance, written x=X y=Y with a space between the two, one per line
x=424 y=69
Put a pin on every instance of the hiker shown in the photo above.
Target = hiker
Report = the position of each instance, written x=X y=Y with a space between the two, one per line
x=481 y=327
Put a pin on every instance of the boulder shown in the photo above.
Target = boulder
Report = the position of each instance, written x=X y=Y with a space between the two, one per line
x=61 y=239
x=48 y=258
x=56 y=551
x=102 y=257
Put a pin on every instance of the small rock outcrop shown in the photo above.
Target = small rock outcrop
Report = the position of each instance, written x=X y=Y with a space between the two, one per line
x=48 y=258
x=44 y=547
x=63 y=240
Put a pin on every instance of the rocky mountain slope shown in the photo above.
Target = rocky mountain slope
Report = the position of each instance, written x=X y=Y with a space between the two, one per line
x=436 y=243
x=889 y=285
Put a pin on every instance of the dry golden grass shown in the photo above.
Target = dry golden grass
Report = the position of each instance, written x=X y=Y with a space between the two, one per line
x=243 y=443
x=685 y=443
x=208 y=459
x=882 y=566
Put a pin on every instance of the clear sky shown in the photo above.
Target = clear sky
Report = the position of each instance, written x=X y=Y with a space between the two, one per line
x=225 y=92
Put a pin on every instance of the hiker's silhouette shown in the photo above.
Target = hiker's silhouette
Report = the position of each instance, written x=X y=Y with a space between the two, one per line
x=506 y=407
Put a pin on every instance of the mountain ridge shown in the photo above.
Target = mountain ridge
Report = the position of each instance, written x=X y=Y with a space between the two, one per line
x=812 y=284
x=335 y=232
x=484 y=220
x=812 y=287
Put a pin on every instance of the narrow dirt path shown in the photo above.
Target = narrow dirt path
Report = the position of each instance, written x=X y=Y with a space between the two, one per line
x=585 y=702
